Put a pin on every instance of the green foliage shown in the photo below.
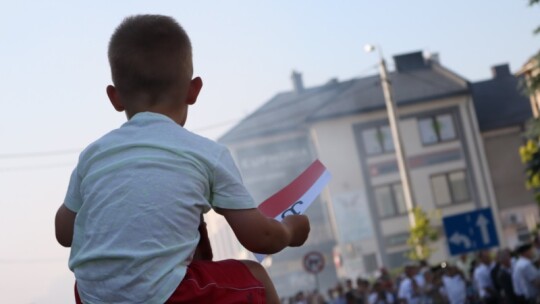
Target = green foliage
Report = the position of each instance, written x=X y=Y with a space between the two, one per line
x=422 y=235
x=380 y=137
x=437 y=126
x=534 y=85
x=531 y=85
x=532 y=131
x=530 y=156
x=530 y=152
x=534 y=82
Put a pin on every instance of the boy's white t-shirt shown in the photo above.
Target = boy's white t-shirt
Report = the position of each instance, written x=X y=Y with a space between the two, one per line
x=138 y=193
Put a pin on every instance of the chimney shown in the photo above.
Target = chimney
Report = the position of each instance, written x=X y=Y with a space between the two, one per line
x=434 y=57
x=298 y=83
x=332 y=81
x=501 y=70
x=410 y=62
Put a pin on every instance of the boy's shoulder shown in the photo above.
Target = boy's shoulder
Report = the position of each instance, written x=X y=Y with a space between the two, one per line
x=164 y=134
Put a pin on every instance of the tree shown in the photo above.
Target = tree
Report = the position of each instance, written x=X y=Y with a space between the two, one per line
x=421 y=237
x=530 y=156
x=534 y=82
x=530 y=152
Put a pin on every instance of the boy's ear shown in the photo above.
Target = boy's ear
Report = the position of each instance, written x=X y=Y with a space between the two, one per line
x=194 y=89
x=115 y=98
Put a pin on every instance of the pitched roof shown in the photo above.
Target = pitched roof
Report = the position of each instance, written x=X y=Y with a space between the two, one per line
x=419 y=85
x=285 y=112
x=500 y=102
x=290 y=111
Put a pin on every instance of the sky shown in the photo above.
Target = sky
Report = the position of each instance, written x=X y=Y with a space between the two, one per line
x=54 y=70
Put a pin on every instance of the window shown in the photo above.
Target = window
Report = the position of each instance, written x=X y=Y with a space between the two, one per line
x=396 y=239
x=523 y=235
x=390 y=200
x=438 y=128
x=370 y=263
x=378 y=140
x=397 y=259
x=450 y=188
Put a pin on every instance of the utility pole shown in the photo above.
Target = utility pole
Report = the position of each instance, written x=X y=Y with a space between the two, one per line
x=393 y=120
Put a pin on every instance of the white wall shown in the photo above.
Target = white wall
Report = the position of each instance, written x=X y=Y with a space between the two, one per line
x=337 y=149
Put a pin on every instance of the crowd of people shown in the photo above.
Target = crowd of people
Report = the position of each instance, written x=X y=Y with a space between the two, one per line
x=501 y=277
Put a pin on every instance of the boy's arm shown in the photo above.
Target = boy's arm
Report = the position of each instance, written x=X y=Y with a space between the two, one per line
x=260 y=234
x=64 y=222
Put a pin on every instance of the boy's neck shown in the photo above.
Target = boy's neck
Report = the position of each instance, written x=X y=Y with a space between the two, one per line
x=178 y=114
x=170 y=105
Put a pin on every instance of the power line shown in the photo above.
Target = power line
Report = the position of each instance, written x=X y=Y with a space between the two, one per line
x=39 y=154
x=217 y=125
x=36 y=167
x=32 y=260
x=73 y=151
x=363 y=73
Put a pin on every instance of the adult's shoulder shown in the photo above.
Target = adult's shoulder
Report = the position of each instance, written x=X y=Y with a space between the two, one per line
x=522 y=262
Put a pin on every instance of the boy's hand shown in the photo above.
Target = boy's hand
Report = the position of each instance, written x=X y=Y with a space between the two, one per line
x=299 y=228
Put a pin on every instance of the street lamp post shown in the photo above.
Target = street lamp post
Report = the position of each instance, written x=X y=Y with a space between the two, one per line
x=393 y=120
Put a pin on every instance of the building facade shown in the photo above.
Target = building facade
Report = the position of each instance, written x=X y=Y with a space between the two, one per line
x=360 y=221
x=442 y=144
x=503 y=110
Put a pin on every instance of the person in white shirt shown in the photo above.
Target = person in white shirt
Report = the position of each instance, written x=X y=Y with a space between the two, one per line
x=409 y=292
x=422 y=268
x=482 y=278
x=464 y=265
x=454 y=286
x=503 y=276
x=525 y=276
x=379 y=295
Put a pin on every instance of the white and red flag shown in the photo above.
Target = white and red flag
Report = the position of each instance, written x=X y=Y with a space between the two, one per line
x=297 y=196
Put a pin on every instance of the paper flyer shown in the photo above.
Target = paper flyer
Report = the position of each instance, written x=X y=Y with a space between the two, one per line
x=297 y=196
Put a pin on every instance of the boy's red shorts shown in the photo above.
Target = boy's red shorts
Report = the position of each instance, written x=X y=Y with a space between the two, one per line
x=227 y=281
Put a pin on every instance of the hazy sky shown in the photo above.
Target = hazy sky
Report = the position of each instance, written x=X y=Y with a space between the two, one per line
x=53 y=72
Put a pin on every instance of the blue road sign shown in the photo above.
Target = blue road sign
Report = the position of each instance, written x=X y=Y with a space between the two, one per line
x=470 y=231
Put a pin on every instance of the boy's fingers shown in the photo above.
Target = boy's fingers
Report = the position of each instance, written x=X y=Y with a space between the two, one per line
x=300 y=228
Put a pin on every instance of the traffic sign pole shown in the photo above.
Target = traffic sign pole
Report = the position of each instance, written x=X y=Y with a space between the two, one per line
x=314 y=263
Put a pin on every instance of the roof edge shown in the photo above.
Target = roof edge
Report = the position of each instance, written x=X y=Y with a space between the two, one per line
x=400 y=103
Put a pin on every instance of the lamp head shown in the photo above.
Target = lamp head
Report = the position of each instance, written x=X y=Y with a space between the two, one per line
x=368 y=48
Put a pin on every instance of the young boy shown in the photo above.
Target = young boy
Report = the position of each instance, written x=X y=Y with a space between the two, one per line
x=135 y=201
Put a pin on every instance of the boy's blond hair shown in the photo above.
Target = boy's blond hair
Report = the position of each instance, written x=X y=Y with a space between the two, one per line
x=150 y=55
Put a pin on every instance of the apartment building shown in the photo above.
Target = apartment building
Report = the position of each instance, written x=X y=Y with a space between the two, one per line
x=360 y=223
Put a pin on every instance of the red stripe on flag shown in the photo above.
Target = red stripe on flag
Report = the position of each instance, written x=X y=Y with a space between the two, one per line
x=283 y=199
